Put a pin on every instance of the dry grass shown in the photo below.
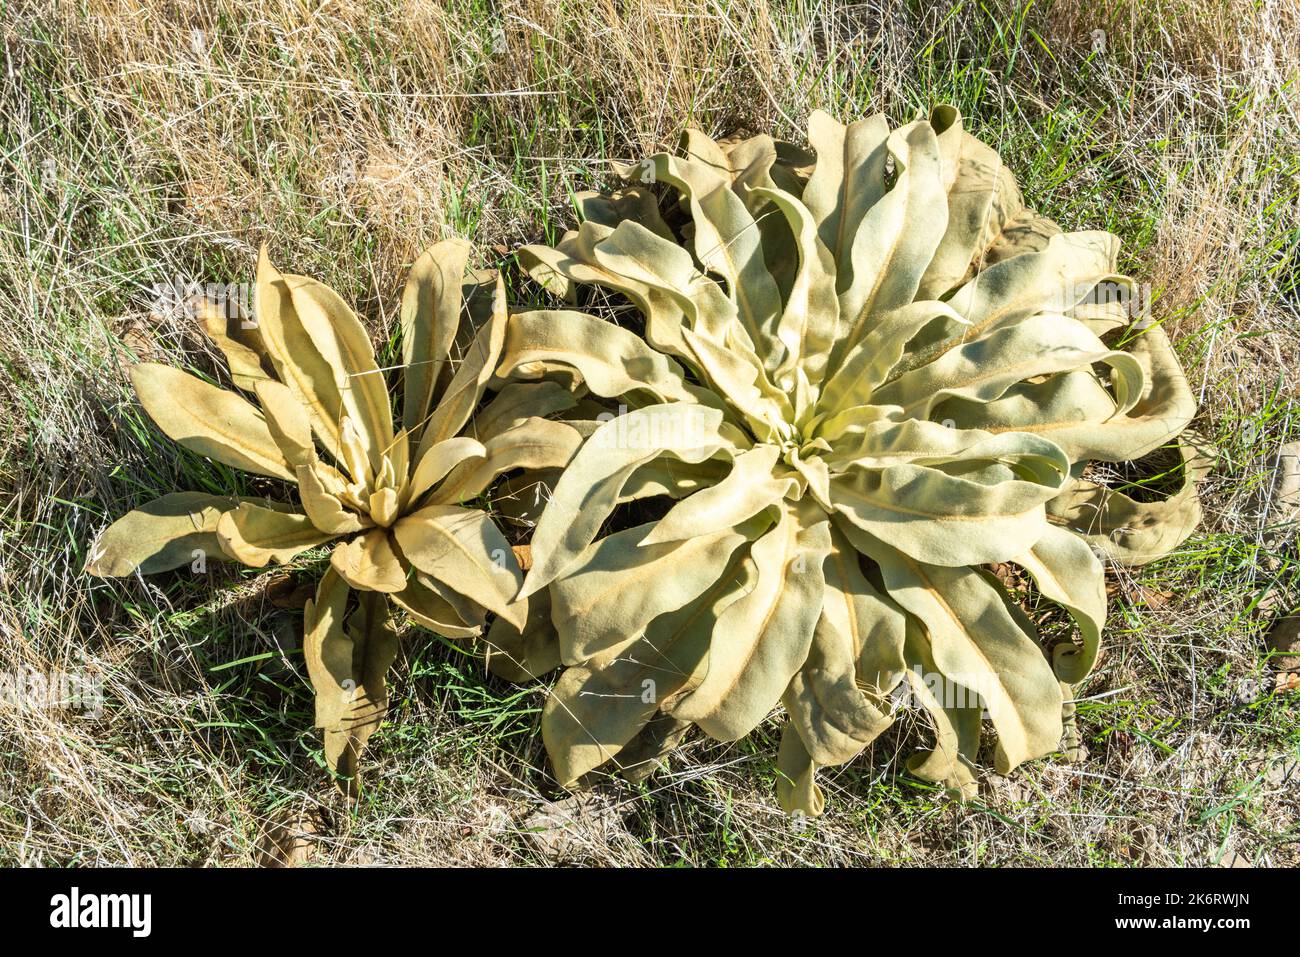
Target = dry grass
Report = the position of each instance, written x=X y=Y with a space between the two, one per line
x=145 y=141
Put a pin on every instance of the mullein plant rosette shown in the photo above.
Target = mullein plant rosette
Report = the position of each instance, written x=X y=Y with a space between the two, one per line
x=388 y=493
x=868 y=372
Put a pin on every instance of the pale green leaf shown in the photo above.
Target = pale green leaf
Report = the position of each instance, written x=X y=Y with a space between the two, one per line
x=1135 y=532
x=747 y=490
x=257 y=536
x=617 y=587
x=368 y=563
x=762 y=639
x=438 y=460
x=171 y=531
x=470 y=381
x=298 y=363
x=430 y=317
x=596 y=709
x=462 y=548
x=518 y=402
x=288 y=422
x=896 y=238
x=533 y=444
x=319 y=489
x=430 y=610
x=208 y=420
x=590 y=487
x=522 y=655
x=610 y=361
x=374 y=648
x=975 y=642
x=1067 y=572
x=796 y=783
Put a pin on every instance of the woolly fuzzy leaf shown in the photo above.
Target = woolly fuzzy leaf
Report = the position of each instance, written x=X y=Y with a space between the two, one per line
x=348 y=657
x=430 y=317
x=162 y=535
x=463 y=549
x=209 y=420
